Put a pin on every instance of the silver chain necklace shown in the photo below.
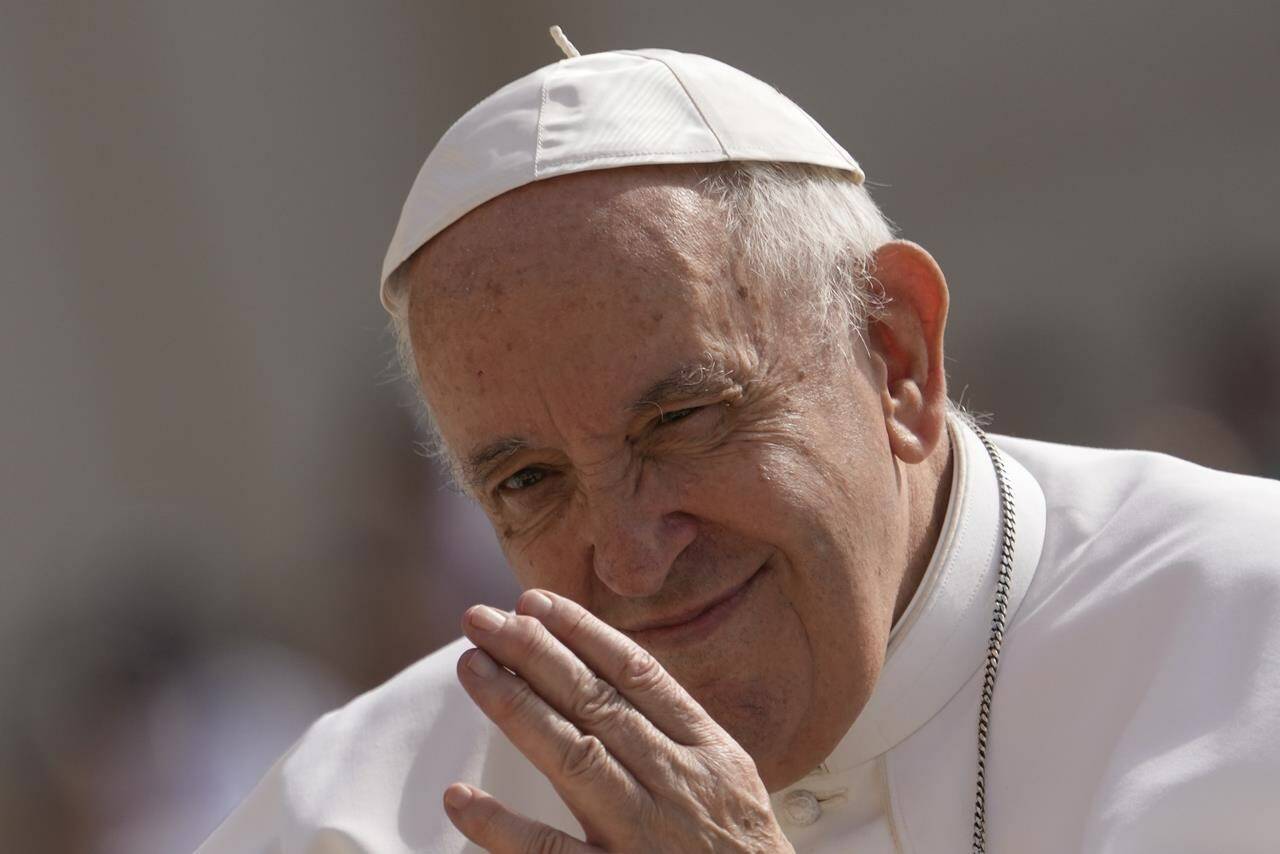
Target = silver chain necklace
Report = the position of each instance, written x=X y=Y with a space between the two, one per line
x=999 y=620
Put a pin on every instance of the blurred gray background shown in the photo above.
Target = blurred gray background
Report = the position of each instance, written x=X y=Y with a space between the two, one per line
x=213 y=522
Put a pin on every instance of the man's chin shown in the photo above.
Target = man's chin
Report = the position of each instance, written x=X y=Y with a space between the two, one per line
x=756 y=718
x=785 y=736
x=770 y=743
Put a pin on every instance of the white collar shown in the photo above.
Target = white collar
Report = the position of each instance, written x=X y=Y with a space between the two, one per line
x=940 y=641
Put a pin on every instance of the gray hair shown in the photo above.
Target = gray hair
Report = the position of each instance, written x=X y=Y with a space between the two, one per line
x=797 y=226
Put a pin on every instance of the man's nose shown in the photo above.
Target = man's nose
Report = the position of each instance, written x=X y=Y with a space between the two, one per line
x=635 y=537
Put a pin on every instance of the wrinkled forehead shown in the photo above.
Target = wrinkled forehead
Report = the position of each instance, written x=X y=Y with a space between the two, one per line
x=574 y=295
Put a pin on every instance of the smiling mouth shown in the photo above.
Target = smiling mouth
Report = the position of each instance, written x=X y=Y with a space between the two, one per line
x=697 y=622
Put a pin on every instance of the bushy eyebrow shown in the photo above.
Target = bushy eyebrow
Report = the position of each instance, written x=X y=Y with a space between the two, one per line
x=692 y=380
x=474 y=466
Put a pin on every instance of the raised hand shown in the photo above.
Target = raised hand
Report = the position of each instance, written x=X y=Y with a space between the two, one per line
x=638 y=762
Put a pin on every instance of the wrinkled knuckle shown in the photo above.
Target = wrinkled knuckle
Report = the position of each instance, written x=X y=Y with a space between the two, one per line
x=596 y=703
x=519 y=702
x=585 y=759
x=530 y=635
x=543 y=840
x=642 y=672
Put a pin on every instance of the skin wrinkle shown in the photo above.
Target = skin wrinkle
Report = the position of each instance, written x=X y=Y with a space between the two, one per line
x=818 y=469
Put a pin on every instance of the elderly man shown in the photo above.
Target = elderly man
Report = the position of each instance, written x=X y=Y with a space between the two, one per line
x=670 y=345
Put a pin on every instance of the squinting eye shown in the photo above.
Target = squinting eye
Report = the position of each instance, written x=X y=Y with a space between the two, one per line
x=677 y=414
x=523 y=479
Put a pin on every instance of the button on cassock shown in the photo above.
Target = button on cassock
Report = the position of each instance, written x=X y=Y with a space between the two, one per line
x=801 y=808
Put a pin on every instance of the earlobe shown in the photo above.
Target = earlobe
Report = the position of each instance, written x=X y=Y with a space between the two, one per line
x=905 y=422
x=907 y=355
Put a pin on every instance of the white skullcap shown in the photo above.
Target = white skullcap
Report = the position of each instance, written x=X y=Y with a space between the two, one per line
x=600 y=111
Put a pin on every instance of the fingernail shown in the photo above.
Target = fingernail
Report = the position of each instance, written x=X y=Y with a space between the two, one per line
x=481 y=665
x=487 y=619
x=536 y=603
x=457 y=796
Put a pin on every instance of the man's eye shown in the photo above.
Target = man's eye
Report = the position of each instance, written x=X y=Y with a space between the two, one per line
x=677 y=414
x=523 y=479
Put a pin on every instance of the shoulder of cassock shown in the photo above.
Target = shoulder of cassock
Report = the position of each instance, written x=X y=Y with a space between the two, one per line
x=370 y=776
x=1138 y=707
x=1141 y=685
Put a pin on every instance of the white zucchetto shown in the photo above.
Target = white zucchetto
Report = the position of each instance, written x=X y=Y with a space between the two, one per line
x=600 y=111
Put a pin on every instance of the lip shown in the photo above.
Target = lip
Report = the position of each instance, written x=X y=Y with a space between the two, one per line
x=697 y=622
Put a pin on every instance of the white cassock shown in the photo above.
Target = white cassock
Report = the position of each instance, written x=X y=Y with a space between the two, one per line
x=1137 y=707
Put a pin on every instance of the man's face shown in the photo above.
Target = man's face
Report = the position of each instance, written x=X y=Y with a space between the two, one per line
x=671 y=444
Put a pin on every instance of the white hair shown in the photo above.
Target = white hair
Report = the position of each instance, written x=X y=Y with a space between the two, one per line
x=809 y=229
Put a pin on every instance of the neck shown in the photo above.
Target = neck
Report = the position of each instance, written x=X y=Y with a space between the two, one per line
x=929 y=485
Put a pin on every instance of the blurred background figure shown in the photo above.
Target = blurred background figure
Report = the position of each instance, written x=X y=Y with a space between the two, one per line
x=213 y=522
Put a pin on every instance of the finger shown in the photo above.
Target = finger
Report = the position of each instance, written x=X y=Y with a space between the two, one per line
x=569 y=686
x=589 y=779
x=486 y=822
x=624 y=664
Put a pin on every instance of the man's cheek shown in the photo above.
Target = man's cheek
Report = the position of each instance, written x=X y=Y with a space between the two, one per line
x=550 y=564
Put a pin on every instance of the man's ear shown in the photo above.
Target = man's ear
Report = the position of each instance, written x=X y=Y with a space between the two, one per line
x=905 y=340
